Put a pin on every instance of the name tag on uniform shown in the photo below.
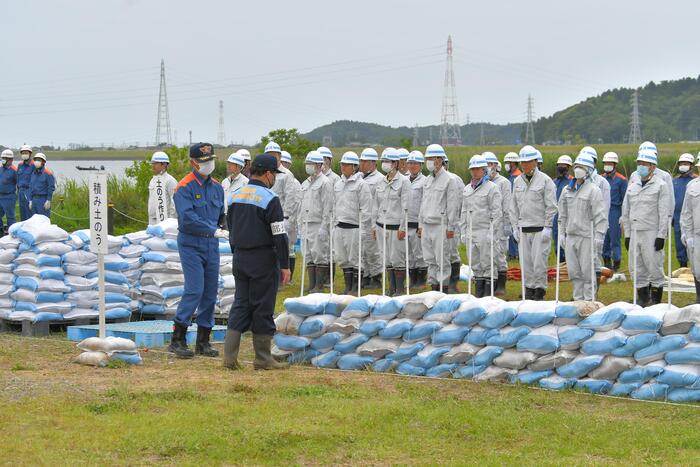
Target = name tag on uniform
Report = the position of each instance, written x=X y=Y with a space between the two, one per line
x=278 y=228
x=197 y=196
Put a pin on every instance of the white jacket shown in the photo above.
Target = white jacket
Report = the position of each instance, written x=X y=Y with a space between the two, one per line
x=230 y=185
x=439 y=205
x=482 y=205
x=161 y=206
x=316 y=201
x=646 y=207
x=504 y=187
x=415 y=197
x=288 y=189
x=353 y=202
x=690 y=213
x=667 y=178
x=580 y=207
x=533 y=203
x=391 y=201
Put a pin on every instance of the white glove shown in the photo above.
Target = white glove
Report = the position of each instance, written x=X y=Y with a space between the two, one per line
x=323 y=235
x=689 y=242
x=286 y=225
x=47 y=205
x=599 y=246
x=221 y=233
x=562 y=240
x=547 y=234
x=30 y=205
x=516 y=235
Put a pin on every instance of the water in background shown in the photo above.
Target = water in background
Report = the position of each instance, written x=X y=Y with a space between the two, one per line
x=64 y=170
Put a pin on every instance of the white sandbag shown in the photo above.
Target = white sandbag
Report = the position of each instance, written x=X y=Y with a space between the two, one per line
x=609 y=317
x=647 y=319
x=160 y=244
x=6 y=290
x=680 y=320
x=7 y=278
x=27 y=270
x=611 y=367
x=92 y=359
x=415 y=306
x=7 y=256
x=345 y=326
x=53 y=248
x=553 y=360
x=80 y=257
x=37 y=229
x=53 y=285
x=9 y=243
x=77 y=283
x=461 y=353
x=107 y=345
x=288 y=323
x=28 y=257
x=515 y=360
x=495 y=374
x=79 y=269
x=23 y=295
x=81 y=313
x=315 y=326
x=378 y=347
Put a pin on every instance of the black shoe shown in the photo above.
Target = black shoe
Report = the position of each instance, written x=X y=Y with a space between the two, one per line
x=643 y=296
x=322 y=275
x=529 y=293
x=422 y=277
x=375 y=282
x=178 y=343
x=598 y=275
x=683 y=264
x=539 y=294
x=203 y=347
x=413 y=277
x=311 y=268
x=454 y=277
x=400 y=279
x=292 y=264
x=656 y=295
x=607 y=262
x=435 y=287
x=501 y=284
x=616 y=265
x=392 y=281
x=479 y=288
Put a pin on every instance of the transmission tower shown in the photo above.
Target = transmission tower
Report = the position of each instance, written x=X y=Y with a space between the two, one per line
x=163 y=125
x=416 y=141
x=635 y=131
x=529 y=128
x=221 y=135
x=450 y=132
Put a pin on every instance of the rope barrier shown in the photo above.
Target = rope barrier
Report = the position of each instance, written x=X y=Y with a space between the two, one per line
x=129 y=217
x=70 y=218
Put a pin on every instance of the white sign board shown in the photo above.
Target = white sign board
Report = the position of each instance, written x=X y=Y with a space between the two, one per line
x=98 y=213
x=160 y=198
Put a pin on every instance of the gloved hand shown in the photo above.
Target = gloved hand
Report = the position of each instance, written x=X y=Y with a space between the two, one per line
x=659 y=244
x=323 y=235
x=516 y=235
x=627 y=243
x=547 y=234
x=562 y=240
x=47 y=205
x=221 y=233
x=599 y=246
x=30 y=205
x=689 y=243
x=286 y=225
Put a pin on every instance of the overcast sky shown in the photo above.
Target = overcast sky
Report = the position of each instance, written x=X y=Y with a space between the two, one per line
x=88 y=71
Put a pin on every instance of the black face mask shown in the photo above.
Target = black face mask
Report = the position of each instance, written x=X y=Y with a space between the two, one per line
x=563 y=171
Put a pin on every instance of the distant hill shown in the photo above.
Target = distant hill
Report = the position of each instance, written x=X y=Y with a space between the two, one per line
x=670 y=112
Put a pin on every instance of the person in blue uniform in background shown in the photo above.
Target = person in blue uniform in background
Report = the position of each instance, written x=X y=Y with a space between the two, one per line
x=24 y=176
x=42 y=184
x=564 y=164
x=199 y=202
x=260 y=260
x=8 y=190
x=612 y=249
x=680 y=184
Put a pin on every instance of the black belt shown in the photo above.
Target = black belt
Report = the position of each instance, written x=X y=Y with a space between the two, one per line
x=532 y=229
x=389 y=226
x=261 y=247
x=413 y=225
x=345 y=225
x=200 y=235
x=46 y=195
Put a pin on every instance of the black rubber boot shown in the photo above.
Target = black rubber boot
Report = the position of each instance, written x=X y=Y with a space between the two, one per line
x=355 y=279
x=598 y=275
x=454 y=277
x=262 y=344
x=683 y=264
x=292 y=264
x=413 y=277
x=203 y=347
x=375 y=282
x=348 y=275
x=656 y=295
x=643 y=296
x=616 y=265
x=607 y=262
x=435 y=287
x=391 y=279
x=539 y=294
x=487 y=288
x=478 y=288
x=422 y=277
x=322 y=276
x=400 y=279
x=178 y=343
x=231 y=345
x=529 y=293
x=697 y=291
x=501 y=284
x=311 y=269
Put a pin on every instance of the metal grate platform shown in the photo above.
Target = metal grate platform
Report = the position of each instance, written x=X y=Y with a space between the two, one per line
x=145 y=333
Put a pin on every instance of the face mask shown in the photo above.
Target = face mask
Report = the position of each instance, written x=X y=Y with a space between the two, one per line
x=206 y=168
x=387 y=167
x=507 y=167
x=580 y=172
x=37 y=164
x=310 y=170
x=25 y=157
x=430 y=165
x=563 y=171
x=643 y=171
x=6 y=162
x=683 y=168
x=608 y=168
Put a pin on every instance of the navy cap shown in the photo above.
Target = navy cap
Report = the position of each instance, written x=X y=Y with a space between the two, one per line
x=202 y=152
x=266 y=162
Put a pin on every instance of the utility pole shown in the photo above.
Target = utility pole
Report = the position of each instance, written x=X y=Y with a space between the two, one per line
x=163 y=121
x=450 y=132
x=635 y=130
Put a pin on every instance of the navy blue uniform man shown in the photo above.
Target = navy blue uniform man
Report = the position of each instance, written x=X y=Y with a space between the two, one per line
x=260 y=260
x=199 y=202
x=24 y=176
x=8 y=188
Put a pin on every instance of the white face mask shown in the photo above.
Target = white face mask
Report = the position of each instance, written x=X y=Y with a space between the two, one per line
x=507 y=167
x=206 y=168
x=25 y=156
x=683 y=168
x=430 y=165
x=7 y=162
x=387 y=167
x=580 y=172
x=608 y=168
x=37 y=164
x=310 y=169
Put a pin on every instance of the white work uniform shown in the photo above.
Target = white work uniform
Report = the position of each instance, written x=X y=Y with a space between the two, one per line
x=161 y=206
x=371 y=258
x=231 y=184
x=353 y=209
x=533 y=206
x=502 y=235
x=690 y=225
x=315 y=211
x=667 y=178
x=482 y=207
x=439 y=210
x=582 y=212
x=288 y=190
x=331 y=176
x=645 y=214
x=457 y=192
x=415 y=251
x=390 y=208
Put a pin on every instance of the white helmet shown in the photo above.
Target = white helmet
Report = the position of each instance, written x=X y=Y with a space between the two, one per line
x=25 y=147
x=325 y=152
x=477 y=162
x=585 y=160
x=40 y=155
x=350 y=158
x=159 y=156
x=388 y=150
x=490 y=157
x=564 y=160
x=611 y=157
x=648 y=145
x=236 y=158
x=528 y=153
x=540 y=159
x=416 y=156
x=403 y=153
x=435 y=150
x=7 y=154
x=590 y=151
x=647 y=155
x=686 y=158
x=390 y=154
x=314 y=157
x=511 y=157
x=244 y=153
x=286 y=157
x=368 y=154
x=273 y=147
